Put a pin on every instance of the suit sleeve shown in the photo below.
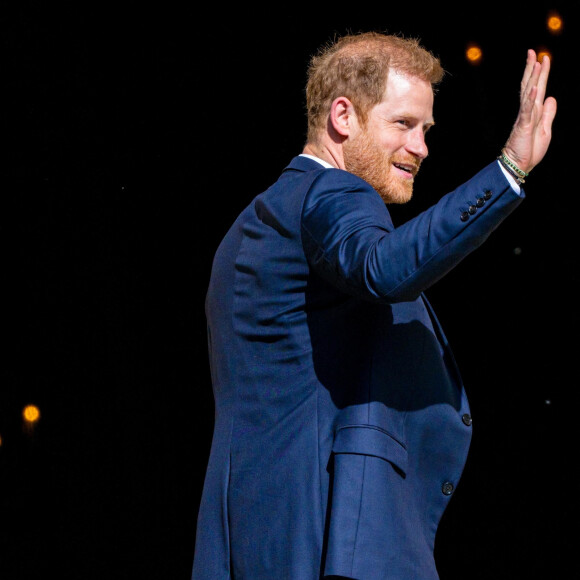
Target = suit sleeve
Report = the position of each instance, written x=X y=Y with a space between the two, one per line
x=350 y=241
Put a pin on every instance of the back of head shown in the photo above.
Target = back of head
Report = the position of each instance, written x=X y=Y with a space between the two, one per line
x=356 y=66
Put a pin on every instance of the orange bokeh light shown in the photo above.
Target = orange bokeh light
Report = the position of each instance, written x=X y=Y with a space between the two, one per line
x=31 y=413
x=554 y=23
x=473 y=54
x=542 y=52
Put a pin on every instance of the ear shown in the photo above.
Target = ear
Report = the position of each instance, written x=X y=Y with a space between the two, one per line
x=342 y=116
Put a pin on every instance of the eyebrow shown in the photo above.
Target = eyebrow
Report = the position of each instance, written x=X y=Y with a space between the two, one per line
x=410 y=117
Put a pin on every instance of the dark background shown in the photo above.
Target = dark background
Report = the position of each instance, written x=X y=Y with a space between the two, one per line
x=132 y=138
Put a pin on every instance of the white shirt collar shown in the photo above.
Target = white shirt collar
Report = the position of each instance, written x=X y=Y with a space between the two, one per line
x=318 y=160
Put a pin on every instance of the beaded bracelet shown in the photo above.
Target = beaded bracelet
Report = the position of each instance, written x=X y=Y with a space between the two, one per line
x=518 y=173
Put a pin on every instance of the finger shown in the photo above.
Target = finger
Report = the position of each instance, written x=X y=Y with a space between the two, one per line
x=548 y=114
x=529 y=69
x=532 y=80
x=543 y=79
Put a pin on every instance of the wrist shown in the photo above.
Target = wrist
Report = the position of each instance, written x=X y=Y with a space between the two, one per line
x=518 y=174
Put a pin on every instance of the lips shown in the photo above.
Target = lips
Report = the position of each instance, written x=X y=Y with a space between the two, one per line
x=409 y=168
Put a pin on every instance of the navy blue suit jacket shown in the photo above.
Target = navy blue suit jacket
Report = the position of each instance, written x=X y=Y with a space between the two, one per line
x=341 y=425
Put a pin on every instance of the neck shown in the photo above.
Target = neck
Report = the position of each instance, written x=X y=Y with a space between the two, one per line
x=327 y=154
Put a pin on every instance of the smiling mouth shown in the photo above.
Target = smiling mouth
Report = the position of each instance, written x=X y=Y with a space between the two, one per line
x=410 y=169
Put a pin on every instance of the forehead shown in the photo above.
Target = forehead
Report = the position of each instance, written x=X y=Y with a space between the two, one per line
x=408 y=93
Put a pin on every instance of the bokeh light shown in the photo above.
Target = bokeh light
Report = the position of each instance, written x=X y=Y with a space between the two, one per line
x=554 y=23
x=542 y=52
x=31 y=414
x=474 y=54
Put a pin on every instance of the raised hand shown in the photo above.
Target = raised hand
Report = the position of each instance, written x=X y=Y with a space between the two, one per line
x=532 y=131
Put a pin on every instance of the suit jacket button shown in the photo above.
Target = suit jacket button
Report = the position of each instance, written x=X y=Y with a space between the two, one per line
x=486 y=195
x=464 y=216
x=472 y=209
x=466 y=418
x=447 y=488
x=480 y=202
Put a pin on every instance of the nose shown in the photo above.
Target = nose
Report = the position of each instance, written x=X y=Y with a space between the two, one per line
x=416 y=144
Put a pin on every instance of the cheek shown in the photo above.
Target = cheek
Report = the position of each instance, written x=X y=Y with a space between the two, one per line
x=390 y=142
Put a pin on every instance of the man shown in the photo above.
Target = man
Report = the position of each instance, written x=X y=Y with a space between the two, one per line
x=342 y=426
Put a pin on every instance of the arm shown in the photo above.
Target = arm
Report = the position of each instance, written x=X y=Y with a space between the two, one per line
x=350 y=241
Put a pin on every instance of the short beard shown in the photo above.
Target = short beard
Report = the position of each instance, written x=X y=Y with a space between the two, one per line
x=364 y=158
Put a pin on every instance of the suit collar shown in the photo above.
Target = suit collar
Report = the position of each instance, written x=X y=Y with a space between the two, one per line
x=300 y=163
